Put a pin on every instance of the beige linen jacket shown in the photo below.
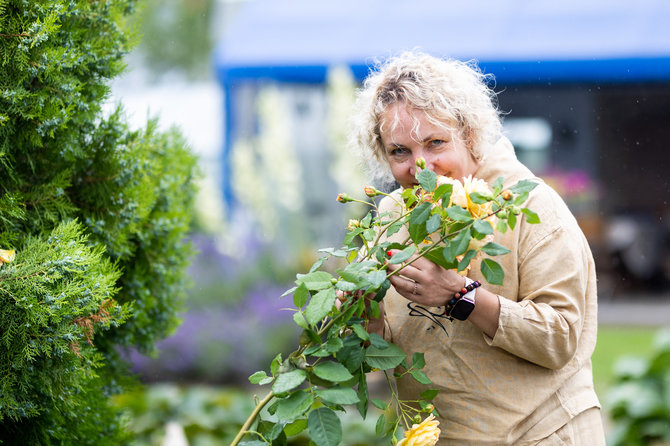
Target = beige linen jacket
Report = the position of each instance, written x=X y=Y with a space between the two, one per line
x=535 y=374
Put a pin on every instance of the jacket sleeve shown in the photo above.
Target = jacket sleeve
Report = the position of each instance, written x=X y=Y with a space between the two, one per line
x=543 y=323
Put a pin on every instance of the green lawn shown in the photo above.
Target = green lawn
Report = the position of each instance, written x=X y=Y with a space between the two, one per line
x=614 y=342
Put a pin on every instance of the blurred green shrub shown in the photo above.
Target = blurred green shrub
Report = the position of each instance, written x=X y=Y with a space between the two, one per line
x=177 y=36
x=213 y=415
x=639 y=399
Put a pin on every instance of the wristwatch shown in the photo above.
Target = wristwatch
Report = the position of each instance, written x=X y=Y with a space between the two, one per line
x=463 y=306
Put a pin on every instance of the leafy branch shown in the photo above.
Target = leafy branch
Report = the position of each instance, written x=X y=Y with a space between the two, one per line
x=449 y=223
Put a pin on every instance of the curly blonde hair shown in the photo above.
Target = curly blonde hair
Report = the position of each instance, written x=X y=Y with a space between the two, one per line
x=450 y=92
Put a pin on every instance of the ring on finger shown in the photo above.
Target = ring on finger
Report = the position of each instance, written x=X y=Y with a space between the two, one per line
x=416 y=285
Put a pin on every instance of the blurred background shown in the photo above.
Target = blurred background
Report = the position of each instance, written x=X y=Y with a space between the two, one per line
x=262 y=90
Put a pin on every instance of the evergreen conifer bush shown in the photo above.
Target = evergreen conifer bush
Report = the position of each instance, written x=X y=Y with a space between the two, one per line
x=96 y=215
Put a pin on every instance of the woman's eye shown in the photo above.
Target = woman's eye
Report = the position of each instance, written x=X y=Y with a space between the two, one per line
x=398 y=151
x=435 y=142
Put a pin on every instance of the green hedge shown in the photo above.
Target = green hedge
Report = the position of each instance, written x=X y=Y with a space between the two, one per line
x=97 y=214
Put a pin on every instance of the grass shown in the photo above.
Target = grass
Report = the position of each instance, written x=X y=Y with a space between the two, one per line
x=613 y=343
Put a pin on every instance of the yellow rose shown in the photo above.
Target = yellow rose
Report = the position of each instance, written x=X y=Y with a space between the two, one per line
x=471 y=185
x=425 y=434
x=6 y=255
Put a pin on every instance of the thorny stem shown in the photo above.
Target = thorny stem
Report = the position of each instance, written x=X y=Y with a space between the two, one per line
x=405 y=418
x=245 y=427
x=259 y=406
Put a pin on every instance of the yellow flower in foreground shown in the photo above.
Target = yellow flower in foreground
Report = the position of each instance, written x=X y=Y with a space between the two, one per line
x=472 y=185
x=425 y=434
x=6 y=255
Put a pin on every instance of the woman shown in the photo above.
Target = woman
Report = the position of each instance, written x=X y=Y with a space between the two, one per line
x=516 y=370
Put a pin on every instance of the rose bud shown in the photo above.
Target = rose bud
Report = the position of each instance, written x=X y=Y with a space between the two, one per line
x=371 y=191
x=344 y=198
x=507 y=195
x=353 y=224
x=421 y=163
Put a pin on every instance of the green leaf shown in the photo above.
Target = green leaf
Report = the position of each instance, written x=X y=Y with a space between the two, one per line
x=299 y=320
x=374 y=309
x=386 y=358
x=481 y=228
x=498 y=185
x=345 y=285
x=520 y=199
x=333 y=345
x=276 y=431
x=376 y=278
x=433 y=223
x=318 y=264
x=511 y=220
x=492 y=271
x=258 y=377
x=420 y=376
x=295 y=428
x=379 y=404
x=351 y=355
x=418 y=233
x=289 y=381
x=531 y=217
x=393 y=228
x=457 y=245
x=523 y=186
x=501 y=226
x=457 y=213
x=443 y=192
x=437 y=257
x=427 y=179
x=338 y=395
x=300 y=296
x=361 y=332
x=332 y=371
x=294 y=406
x=465 y=261
x=315 y=281
x=420 y=213
x=289 y=291
x=320 y=305
x=324 y=426
x=274 y=366
x=378 y=341
x=418 y=360
x=379 y=427
x=403 y=255
x=334 y=252
x=479 y=198
x=494 y=249
x=429 y=394
x=363 y=395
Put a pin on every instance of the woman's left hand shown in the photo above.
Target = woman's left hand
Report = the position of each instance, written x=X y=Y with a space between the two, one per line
x=425 y=282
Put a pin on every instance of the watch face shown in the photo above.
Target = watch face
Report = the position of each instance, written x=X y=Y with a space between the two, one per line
x=462 y=309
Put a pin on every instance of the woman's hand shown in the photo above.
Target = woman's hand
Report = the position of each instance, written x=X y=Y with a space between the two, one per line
x=425 y=282
x=428 y=284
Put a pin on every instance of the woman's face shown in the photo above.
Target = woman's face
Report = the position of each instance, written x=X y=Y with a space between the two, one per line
x=443 y=148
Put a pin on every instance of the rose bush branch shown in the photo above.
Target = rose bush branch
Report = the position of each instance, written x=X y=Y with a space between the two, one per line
x=448 y=222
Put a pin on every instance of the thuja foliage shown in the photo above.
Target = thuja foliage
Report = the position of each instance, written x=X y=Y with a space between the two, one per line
x=96 y=214
x=446 y=221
